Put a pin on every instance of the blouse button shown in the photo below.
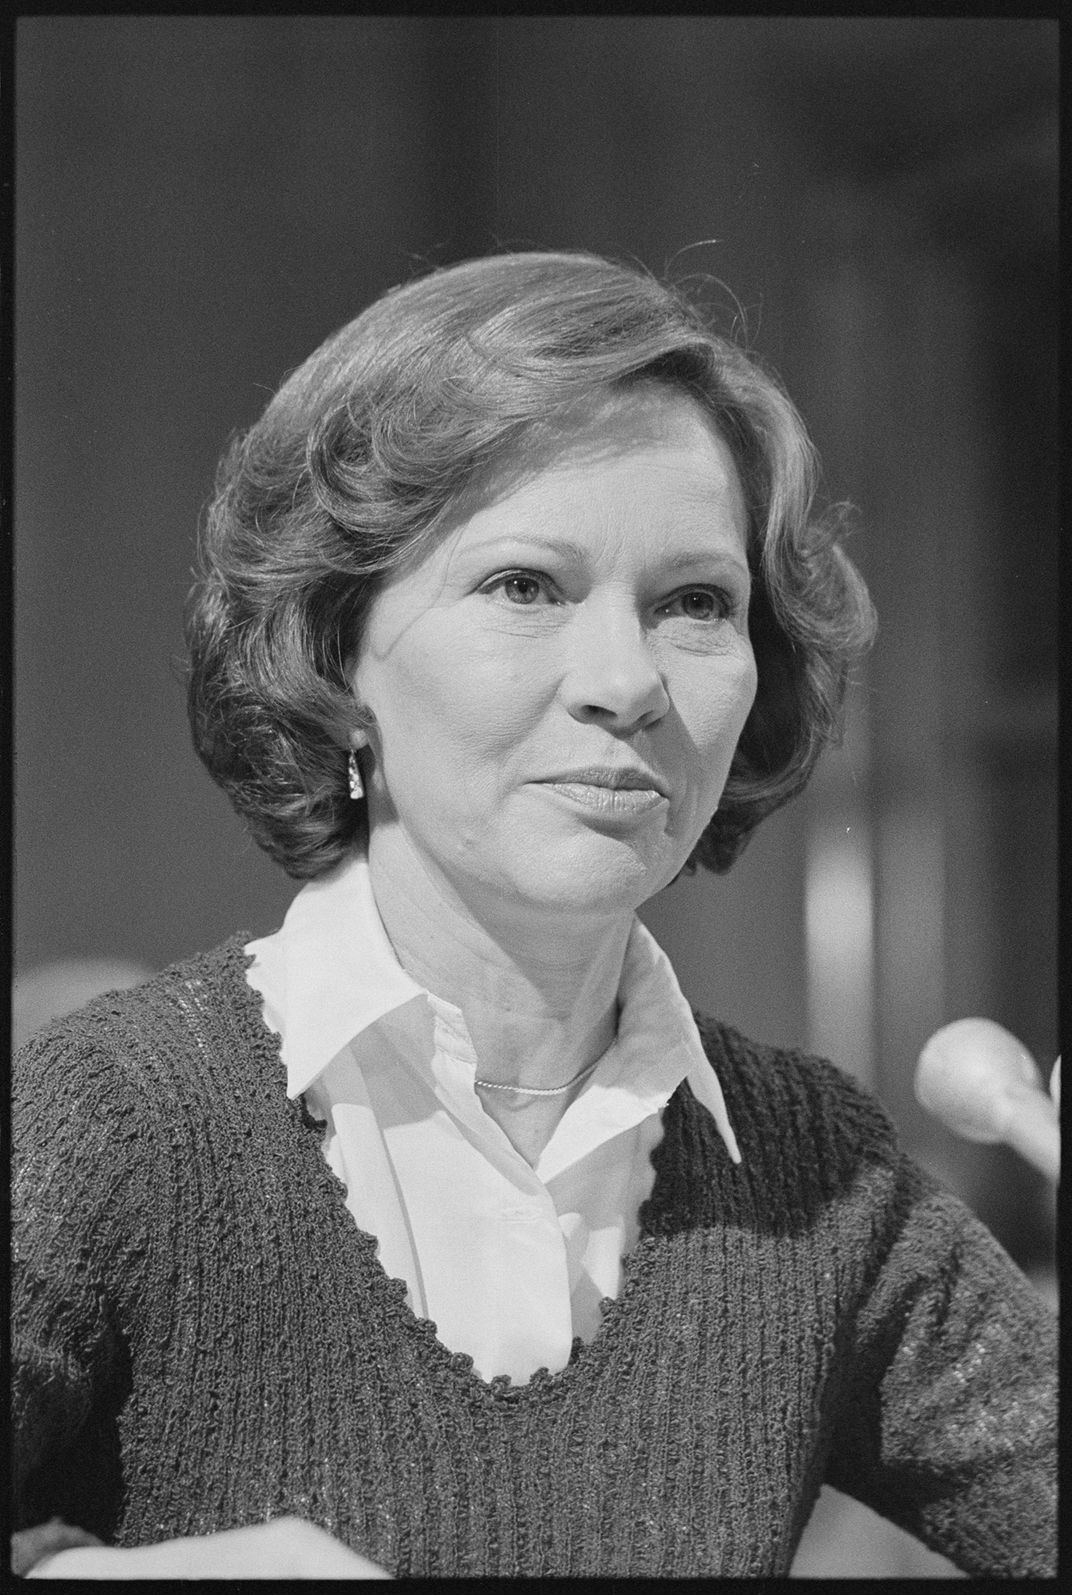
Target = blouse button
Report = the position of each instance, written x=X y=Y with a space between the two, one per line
x=522 y=1215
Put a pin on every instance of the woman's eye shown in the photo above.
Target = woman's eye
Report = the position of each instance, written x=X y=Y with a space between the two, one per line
x=700 y=603
x=521 y=588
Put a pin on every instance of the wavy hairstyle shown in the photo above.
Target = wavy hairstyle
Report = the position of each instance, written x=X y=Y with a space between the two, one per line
x=368 y=446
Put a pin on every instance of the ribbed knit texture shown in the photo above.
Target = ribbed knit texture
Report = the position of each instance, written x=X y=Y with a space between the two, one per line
x=204 y=1339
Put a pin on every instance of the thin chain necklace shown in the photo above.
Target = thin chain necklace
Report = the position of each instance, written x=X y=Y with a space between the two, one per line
x=537 y=1090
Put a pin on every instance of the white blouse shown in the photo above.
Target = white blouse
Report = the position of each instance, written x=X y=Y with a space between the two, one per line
x=511 y=1262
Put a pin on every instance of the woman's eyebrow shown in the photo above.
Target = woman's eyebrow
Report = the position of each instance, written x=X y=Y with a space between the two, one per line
x=683 y=559
x=690 y=558
x=528 y=540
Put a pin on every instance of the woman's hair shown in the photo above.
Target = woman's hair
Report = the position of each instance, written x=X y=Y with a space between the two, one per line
x=366 y=449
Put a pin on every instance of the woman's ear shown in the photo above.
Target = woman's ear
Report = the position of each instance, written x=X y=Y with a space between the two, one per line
x=358 y=721
x=361 y=732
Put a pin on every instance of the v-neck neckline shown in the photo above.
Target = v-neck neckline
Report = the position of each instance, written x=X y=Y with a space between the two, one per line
x=585 y=1357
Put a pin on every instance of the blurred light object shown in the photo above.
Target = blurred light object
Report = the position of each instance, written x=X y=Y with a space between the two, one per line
x=839 y=935
x=984 y=1084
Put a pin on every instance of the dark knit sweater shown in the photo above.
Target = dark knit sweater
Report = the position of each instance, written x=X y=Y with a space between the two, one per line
x=203 y=1338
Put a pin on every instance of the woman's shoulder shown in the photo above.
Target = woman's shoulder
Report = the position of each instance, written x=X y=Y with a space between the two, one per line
x=99 y=1050
x=781 y=1097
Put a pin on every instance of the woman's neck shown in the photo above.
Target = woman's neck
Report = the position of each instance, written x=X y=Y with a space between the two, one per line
x=538 y=991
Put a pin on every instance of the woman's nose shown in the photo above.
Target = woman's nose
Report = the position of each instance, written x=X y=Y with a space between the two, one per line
x=611 y=675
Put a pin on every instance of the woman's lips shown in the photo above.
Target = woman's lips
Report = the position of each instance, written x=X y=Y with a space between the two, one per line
x=610 y=801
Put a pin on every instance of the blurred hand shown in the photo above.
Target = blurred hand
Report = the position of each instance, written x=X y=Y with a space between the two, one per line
x=287 y=1547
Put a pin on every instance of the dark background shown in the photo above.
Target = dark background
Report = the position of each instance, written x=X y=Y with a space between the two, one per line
x=201 y=200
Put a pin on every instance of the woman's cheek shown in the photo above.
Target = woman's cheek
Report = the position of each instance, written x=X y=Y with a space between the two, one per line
x=739 y=694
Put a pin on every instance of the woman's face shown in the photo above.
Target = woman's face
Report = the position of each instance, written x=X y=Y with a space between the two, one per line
x=586 y=625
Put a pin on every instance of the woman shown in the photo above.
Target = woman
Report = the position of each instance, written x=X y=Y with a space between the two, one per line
x=433 y=1234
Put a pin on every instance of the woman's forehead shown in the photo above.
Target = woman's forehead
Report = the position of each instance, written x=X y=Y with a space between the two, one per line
x=651 y=424
x=642 y=423
x=645 y=413
x=666 y=497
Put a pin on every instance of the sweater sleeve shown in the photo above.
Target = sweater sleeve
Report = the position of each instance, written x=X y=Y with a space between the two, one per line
x=76 y=1234
x=947 y=1424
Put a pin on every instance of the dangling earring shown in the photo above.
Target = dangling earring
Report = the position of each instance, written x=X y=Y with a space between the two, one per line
x=353 y=775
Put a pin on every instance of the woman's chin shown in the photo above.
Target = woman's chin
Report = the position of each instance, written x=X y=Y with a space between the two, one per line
x=593 y=875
